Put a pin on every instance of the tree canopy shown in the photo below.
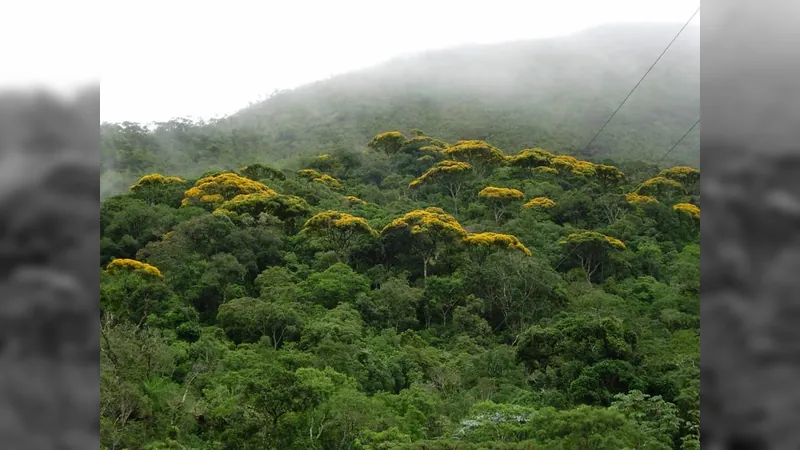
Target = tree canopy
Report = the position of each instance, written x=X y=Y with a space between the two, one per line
x=473 y=299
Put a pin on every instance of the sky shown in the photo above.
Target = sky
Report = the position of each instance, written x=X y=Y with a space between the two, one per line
x=179 y=58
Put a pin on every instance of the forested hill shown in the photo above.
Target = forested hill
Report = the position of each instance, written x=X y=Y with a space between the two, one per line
x=552 y=93
x=426 y=295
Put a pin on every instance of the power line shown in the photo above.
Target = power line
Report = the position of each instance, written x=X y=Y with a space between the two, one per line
x=679 y=141
x=640 y=81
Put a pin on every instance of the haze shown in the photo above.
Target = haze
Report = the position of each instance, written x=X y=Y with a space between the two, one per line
x=180 y=58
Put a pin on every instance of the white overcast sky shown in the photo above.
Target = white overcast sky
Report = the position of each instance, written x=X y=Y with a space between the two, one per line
x=177 y=58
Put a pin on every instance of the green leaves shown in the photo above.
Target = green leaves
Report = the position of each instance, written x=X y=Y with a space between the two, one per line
x=282 y=318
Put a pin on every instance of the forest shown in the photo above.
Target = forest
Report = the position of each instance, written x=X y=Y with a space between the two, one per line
x=414 y=292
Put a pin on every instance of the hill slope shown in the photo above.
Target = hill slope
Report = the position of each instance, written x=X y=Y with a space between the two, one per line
x=553 y=93
x=421 y=296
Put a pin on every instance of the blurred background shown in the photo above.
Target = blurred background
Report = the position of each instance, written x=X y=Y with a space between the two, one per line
x=49 y=325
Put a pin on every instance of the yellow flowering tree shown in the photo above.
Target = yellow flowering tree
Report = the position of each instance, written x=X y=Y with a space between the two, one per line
x=308 y=174
x=133 y=290
x=545 y=170
x=390 y=142
x=157 y=188
x=450 y=175
x=500 y=198
x=425 y=144
x=590 y=249
x=569 y=164
x=663 y=189
x=539 y=203
x=329 y=181
x=540 y=207
x=131 y=265
x=484 y=242
x=339 y=230
x=479 y=154
x=155 y=179
x=287 y=208
x=689 y=209
x=689 y=177
x=425 y=231
x=531 y=158
x=212 y=191
x=640 y=200
x=250 y=204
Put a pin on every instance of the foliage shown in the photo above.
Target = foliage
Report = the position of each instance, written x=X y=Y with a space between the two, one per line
x=299 y=316
x=591 y=249
x=257 y=172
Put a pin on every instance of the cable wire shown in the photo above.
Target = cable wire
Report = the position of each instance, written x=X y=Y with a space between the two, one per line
x=679 y=141
x=640 y=81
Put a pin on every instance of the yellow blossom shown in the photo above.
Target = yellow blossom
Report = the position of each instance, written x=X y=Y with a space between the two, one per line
x=501 y=193
x=545 y=169
x=124 y=264
x=682 y=174
x=155 y=179
x=496 y=239
x=636 y=199
x=532 y=157
x=688 y=208
x=426 y=220
x=442 y=168
x=216 y=189
x=540 y=202
x=353 y=200
x=328 y=180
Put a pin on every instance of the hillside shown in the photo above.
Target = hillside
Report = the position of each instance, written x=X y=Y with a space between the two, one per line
x=552 y=93
x=425 y=295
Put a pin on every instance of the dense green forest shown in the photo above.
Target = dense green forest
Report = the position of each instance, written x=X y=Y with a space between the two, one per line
x=552 y=93
x=419 y=294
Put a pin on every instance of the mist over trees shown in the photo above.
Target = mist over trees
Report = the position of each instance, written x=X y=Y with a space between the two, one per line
x=552 y=94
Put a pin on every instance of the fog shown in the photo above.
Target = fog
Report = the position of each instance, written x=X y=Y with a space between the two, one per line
x=191 y=59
